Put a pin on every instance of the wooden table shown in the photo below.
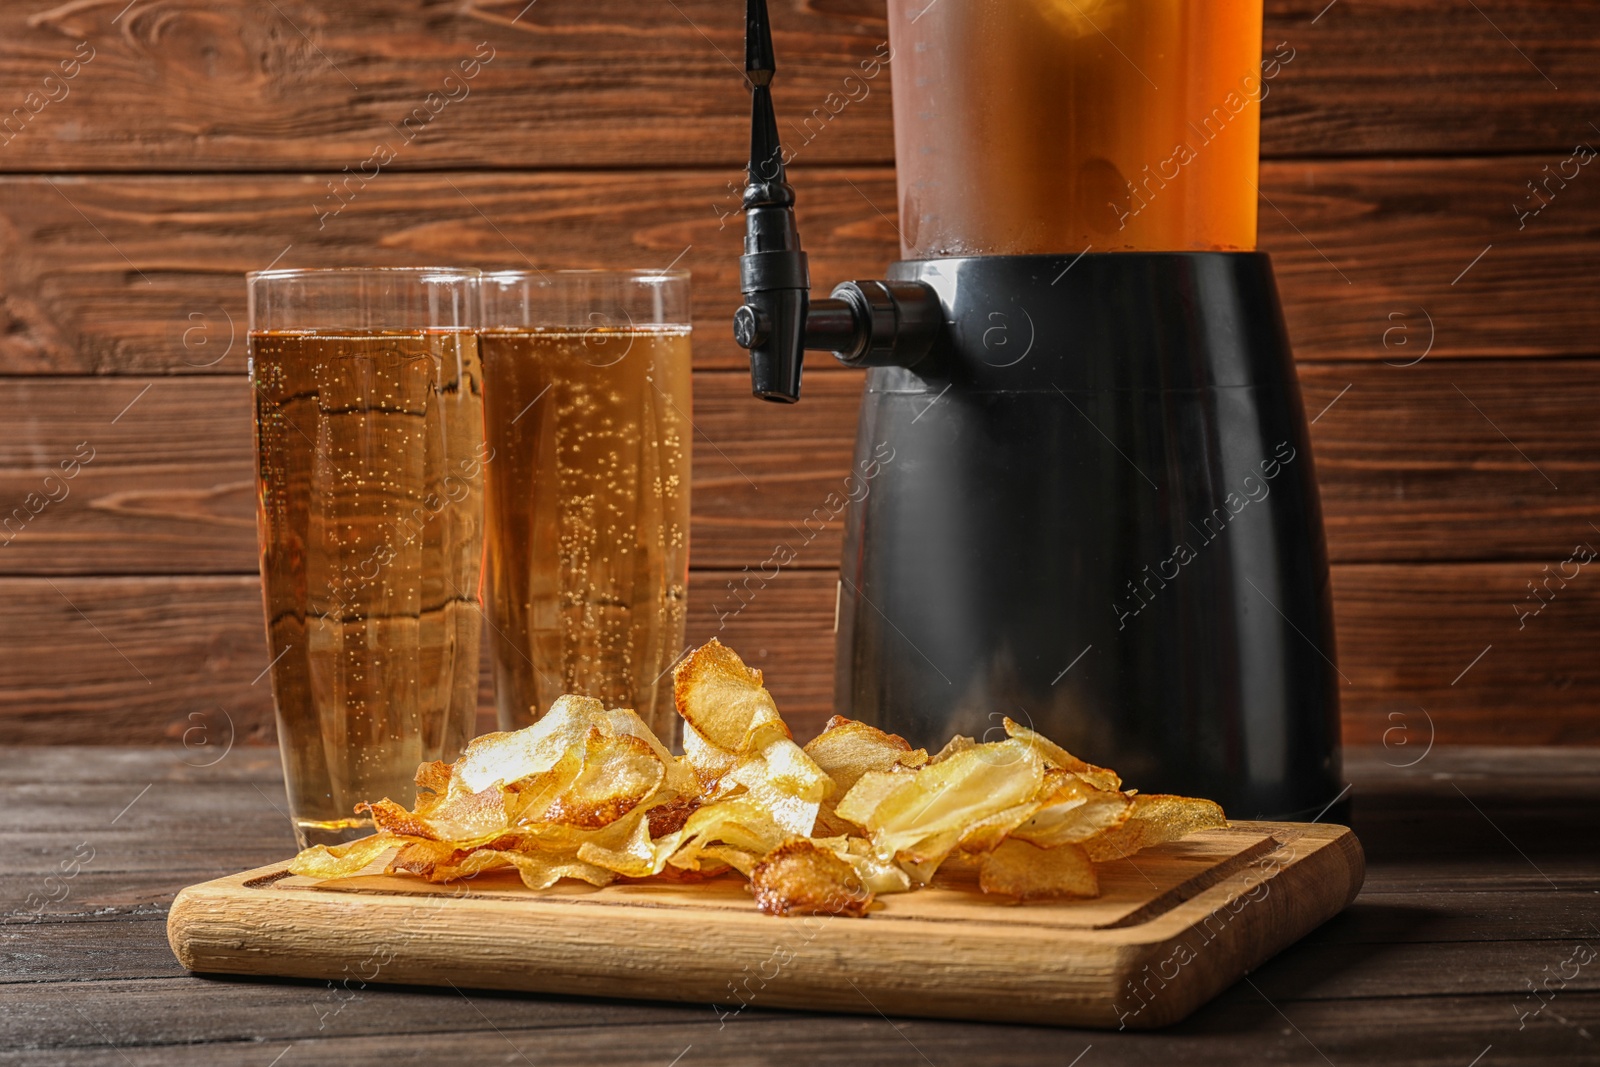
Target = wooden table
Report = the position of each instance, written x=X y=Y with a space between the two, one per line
x=1483 y=884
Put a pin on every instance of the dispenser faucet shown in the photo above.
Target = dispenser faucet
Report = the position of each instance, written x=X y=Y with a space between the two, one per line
x=863 y=323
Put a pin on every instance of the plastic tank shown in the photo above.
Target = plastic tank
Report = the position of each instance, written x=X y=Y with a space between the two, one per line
x=1059 y=126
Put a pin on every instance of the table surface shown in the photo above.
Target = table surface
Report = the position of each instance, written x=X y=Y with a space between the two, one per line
x=1473 y=944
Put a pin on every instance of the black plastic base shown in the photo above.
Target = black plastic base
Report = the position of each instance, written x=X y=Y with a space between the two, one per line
x=1092 y=509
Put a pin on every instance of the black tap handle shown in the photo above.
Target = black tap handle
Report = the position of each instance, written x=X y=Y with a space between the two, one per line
x=772 y=272
x=863 y=323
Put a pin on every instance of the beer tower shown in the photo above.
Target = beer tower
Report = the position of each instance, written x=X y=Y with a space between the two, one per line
x=1092 y=506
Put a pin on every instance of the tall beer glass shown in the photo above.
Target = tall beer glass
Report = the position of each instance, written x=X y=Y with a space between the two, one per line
x=369 y=465
x=587 y=400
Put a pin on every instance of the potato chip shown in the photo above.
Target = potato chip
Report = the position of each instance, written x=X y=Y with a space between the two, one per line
x=1018 y=869
x=468 y=817
x=740 y=822
x=669 y=818
x=735 y=740
x=539 y=870
x=510 y=757
x=845 y=751
x=679 y=775
x=433 y=784
x=724 y=702
x=341 y=861
x=619 y=772
x=958 y=743
x=1153 y=820
x=871 y=790
x=986 y=833
x=590 y=794
x=1073 y=810
x=799 y=878
x=921 y=821
x=878 y=875
x=635 y=856
x=1057 y=756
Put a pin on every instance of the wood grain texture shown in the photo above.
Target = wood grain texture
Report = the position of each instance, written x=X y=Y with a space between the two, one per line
x=1219 y=902
x=1412 y=78
x=1427 y=967
x=224 y=84
x=1240 y=1028
x=1454 y=461
x=1467 y=449
x=1387 y=260
x=216 y=84
x=143 y=275
x=149 y=658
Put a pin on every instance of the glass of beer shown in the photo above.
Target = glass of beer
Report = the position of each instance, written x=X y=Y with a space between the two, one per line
x=369 y=469
x=586 y=382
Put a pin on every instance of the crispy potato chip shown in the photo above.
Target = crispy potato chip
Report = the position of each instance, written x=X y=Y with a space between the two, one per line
x=798 y=817
x=550 y=836
x=433 y=860
x=638 y=856
x=669 y=818
x=958 y=743
x=921 y=821
x=1155 y=819
x=468 y=817
x=679 y=778
x=740 y=822
x=589 y=793
x=871 y=790
x=799 y=878
x=708 y=763
x=510 y=757
x=528 y=799
x=722 y=857
x=984 y=834
x=1057 y=756
x=724 y=701
x=736 y=742
x=341 y=861
x=433 y=784
x=539 y=870
x=734 y=718
x=1073 y=810
x=619 y=772
x=848 y=749
x=1018 y=869
x=878 y=875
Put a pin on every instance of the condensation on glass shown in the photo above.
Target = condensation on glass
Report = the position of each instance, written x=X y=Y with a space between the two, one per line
x=587 y=388
x=369 y=463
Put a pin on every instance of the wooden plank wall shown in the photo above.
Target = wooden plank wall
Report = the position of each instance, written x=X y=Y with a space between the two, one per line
x=153 y=151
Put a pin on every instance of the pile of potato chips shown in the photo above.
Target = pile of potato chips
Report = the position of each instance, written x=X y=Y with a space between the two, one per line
x=591 y=794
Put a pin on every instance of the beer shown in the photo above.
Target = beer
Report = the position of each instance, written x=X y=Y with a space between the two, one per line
x=370 y=455
x=1063 y=126
x=588 y=515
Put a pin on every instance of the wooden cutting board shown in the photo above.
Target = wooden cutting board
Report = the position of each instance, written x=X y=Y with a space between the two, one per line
x=1173 y=926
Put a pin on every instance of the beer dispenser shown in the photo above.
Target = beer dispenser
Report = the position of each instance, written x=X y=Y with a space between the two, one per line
x=1091 y=505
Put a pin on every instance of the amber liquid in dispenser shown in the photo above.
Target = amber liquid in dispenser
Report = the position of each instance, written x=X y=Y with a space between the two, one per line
x=588 y=549
x=370 y=457
x=1063 y=126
